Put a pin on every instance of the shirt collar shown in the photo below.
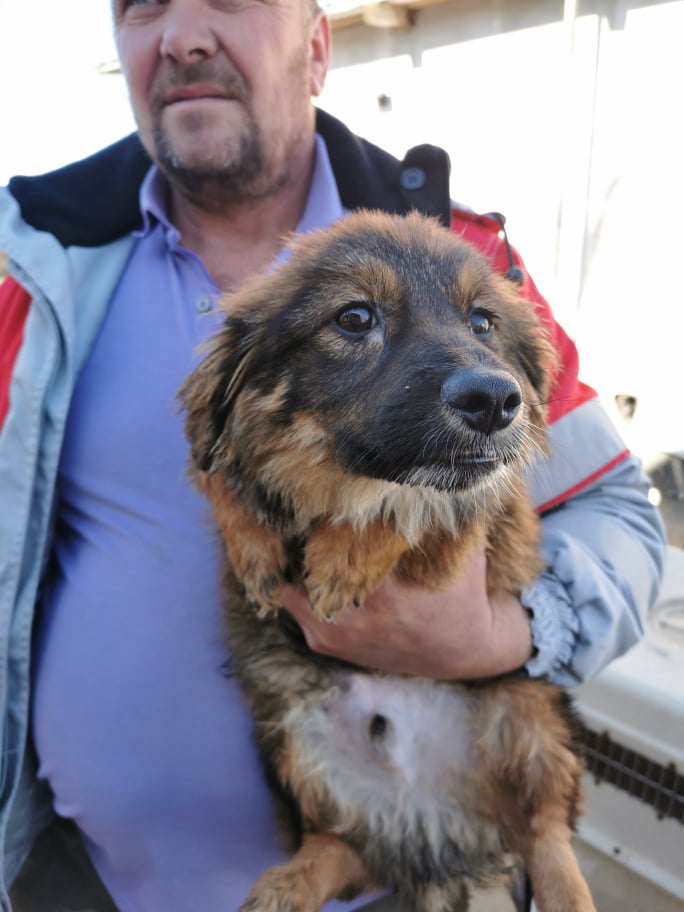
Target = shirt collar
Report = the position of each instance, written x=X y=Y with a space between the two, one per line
x=323 y=205
x=154 y=207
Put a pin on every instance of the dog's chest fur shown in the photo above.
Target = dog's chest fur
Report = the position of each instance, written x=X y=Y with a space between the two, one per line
x=400 y=757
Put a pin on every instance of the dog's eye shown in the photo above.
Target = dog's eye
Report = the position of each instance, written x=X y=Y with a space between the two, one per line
x=356 y=318
x=481 y=322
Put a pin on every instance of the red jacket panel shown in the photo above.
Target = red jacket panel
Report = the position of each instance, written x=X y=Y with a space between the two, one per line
x=484 y=232
x=14 y=306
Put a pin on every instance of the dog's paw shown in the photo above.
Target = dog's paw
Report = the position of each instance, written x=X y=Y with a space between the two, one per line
x=280 y=889
x=269 y=902
x=261 y=594
x=328 y=602
x=260 y=568
x=260 y=581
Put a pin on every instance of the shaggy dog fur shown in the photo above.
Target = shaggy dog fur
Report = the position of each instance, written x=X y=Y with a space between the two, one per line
x=369 y=408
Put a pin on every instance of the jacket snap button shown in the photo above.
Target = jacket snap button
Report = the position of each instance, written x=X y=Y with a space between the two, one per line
x=515 y=275
x=412 y=178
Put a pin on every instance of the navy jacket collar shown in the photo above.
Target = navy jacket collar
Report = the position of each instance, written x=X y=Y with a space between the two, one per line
x=95 y=201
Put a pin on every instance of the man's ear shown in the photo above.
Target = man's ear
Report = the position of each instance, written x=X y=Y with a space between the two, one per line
x=320 y=53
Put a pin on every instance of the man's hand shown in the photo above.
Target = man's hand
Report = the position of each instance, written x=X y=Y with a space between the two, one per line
x=457 y=632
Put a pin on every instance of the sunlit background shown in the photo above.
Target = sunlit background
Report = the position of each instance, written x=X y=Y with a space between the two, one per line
x=565 y=116
x=54 y=104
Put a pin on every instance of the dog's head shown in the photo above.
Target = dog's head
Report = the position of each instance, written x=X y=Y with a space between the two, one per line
x=385 y=346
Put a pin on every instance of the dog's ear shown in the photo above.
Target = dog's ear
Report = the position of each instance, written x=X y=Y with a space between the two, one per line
x=539 y=361
x=536 y=359
x=250 y=337
x=209 y=392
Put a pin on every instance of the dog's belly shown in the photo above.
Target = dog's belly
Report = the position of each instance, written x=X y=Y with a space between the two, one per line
x=397 y=757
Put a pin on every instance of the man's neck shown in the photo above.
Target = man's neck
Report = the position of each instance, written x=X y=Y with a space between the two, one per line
x=240 y=240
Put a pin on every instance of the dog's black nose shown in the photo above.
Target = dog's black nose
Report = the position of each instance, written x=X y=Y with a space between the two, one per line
x=487 y=400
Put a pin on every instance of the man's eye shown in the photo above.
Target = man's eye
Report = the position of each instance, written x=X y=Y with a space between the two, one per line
x=356 y=319
x=133 y=11
x=127 y=4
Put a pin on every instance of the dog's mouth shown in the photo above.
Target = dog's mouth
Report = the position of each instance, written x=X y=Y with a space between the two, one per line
x=468 y=460
x=449 y=470
x=456 y=476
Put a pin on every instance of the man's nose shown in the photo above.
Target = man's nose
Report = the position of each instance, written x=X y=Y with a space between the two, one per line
x=187 y=31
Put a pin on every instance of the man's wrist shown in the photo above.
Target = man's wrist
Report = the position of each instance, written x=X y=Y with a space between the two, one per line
x=513 y=641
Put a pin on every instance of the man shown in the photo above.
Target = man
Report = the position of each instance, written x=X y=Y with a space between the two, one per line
x=115 y=267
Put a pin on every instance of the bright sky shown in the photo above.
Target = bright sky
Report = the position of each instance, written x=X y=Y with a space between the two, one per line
x=54 y=105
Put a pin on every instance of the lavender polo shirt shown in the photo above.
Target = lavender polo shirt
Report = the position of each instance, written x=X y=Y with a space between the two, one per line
x=145 y=742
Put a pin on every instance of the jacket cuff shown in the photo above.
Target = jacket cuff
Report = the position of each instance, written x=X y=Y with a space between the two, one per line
x=554 y=624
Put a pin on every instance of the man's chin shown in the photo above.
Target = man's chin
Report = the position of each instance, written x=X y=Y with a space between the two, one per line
x=207 y=135
x=204 y=152
x=208 y=174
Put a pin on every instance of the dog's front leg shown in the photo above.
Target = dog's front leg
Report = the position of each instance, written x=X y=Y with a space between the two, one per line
x=324 y=868
x=255 y=550
x=343 y=564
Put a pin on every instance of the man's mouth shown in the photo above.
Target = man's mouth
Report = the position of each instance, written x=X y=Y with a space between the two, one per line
x=195 y=92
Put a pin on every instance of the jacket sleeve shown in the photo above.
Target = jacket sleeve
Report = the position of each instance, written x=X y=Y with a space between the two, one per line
x=14 y=306
x=604 y=549
x=603 y=542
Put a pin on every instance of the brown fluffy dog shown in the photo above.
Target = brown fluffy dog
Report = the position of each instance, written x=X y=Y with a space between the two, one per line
x=367 y=409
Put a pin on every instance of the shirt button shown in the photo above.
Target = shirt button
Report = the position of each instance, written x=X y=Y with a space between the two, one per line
x=204 y=304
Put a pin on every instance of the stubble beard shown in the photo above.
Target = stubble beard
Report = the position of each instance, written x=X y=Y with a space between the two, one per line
x=239 y=178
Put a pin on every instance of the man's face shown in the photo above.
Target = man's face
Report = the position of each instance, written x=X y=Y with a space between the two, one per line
x=221 y=89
